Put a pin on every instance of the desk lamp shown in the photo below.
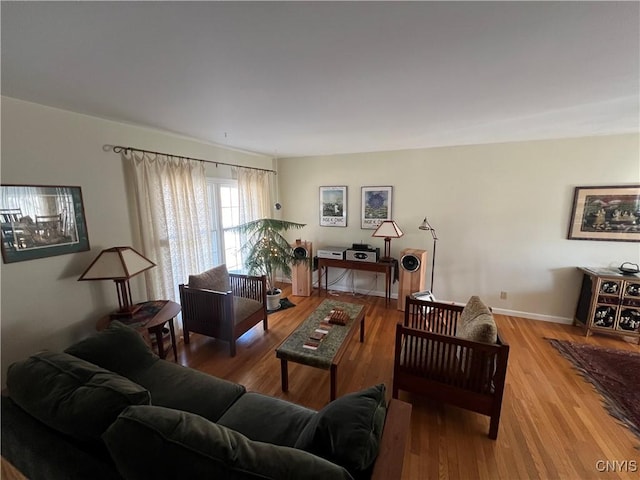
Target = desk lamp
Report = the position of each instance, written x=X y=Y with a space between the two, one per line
x=388 y=229
x=119 y=264
x=427 y=227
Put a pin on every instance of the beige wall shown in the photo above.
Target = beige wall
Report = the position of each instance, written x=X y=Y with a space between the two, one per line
x=501 y=213
x=42 y=304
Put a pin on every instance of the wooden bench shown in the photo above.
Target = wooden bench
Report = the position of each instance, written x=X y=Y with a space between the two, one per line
x=431 y=361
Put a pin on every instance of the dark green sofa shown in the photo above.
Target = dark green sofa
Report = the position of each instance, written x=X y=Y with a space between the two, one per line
x=108 y=408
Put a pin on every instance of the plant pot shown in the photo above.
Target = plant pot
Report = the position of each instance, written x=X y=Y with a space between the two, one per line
x=273 y=299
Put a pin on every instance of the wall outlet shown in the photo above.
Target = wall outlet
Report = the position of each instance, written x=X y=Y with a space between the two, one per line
x=503 y=295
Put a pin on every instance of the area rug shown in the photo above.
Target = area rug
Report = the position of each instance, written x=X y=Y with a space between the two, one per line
x=614 y=373
x=284 y=304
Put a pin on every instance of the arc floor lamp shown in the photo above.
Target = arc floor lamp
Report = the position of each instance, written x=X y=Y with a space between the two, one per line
x=427 y=227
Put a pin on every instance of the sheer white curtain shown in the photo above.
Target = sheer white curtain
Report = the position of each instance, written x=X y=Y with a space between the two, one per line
x=171 y=199
x=254 y=192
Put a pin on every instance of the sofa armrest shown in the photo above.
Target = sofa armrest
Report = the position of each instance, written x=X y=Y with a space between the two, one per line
x=393 y=442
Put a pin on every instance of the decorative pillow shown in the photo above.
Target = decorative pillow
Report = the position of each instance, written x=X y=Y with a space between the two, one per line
x=117 y=348
x=476 y=323
x=70 y=395
x=161 y=443
x=347 y=431
x=216 y=279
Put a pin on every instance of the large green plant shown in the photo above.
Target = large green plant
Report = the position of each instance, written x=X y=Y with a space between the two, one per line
x=265 y=249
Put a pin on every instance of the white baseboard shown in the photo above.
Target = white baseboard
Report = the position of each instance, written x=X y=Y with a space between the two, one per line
x=501 y=311
x=529 y=315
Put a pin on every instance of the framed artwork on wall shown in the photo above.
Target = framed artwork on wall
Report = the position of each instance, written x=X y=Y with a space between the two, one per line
x=375 y=206
x=606 y=213
x=41 y=221
x=333 y=206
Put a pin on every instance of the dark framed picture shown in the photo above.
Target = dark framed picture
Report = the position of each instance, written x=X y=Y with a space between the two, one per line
x=375 y=206
x=606 y=213
x=41 y=221
x=333 y=206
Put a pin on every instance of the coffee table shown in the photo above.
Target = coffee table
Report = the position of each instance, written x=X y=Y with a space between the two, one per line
x=331 y=348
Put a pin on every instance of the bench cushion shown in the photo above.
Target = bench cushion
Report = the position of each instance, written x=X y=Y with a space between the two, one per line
x=243 y=308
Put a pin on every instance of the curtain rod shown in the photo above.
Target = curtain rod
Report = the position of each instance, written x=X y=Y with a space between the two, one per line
x=120 y=148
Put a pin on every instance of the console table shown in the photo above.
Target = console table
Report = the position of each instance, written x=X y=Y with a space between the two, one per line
x=379 y=267
x=609 y=302
x=150 y=320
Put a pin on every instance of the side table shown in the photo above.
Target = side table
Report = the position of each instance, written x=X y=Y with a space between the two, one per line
x=149 y=321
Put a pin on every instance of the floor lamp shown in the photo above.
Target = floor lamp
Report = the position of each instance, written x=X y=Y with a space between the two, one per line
x=425 y=226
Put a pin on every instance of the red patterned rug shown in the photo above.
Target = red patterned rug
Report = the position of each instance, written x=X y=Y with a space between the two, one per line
x=614 y=373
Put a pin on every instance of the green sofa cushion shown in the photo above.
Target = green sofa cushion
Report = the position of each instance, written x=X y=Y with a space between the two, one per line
x=70 y=395
x=118 y=348
x=160 y=443
x=267 y=419
x=174 y=386
x=347 y=431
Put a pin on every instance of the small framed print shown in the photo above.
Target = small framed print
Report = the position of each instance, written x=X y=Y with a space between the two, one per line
x=333 y=206
x=606 y=213
x=376 y=206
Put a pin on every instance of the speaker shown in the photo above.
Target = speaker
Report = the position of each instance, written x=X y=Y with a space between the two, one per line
x=301 y=272
x=413 y=273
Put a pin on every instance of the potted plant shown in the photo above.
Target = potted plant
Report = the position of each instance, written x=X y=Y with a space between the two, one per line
x=266 y=251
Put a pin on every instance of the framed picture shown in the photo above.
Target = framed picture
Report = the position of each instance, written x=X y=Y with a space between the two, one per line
x=606 y=213
x=333 y=206
x=376 y=206
x=41 y=221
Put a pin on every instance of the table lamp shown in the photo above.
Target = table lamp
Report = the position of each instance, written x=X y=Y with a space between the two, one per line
x=427 y=227
x=119 y=264
x=388 y=229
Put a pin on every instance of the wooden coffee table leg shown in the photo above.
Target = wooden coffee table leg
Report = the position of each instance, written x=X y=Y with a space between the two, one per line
x=333 y=381
x=362 y=330
x=284 y=372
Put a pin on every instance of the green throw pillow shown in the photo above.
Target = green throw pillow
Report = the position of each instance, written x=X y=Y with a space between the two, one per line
x=70 y=395
x=161 y=443
x=118 y=348
x=347 y=431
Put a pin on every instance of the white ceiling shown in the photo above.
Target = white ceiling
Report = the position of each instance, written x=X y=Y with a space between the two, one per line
x=309 y=78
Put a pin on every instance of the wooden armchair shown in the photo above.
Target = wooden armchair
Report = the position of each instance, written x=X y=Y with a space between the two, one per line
x=228 y=314
x=431 y=360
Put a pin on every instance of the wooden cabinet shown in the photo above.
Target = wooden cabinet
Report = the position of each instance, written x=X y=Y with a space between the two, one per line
x=609 y=302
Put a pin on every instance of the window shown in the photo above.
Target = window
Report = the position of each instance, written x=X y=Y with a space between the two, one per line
x=225 y=212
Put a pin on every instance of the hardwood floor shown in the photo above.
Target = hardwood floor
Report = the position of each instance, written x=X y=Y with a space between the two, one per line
x=553 y=423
